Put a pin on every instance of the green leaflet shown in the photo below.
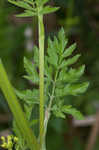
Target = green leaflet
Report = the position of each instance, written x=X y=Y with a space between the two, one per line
x=78 y=88
x=52 y=57
x=61 y=110
x=48 y=9
x=33 y=79
x=72 y=89
x=21 y=4
x=72 y=75
x=59 y=114
x=51 y=47
x=28 y=96
x=69 y=51
x=29 y=1
x=29 y=66
x=27 y=5
x=69 y=61
x=27 y=13
x=31 y=71
x=72 y=111
x=58 y=44
x=48 y=70
x=53 y=60
x=62 y=40
x=57 y=111
x=44 y=1
x=28 y=111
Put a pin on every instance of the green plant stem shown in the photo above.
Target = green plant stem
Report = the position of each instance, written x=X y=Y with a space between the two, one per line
x=41 y=75
x=47 y=112
x=17 y=112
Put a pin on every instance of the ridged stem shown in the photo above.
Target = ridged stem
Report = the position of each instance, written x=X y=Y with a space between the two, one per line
x=41 y=76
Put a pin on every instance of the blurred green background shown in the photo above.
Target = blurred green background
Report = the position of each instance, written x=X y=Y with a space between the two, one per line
x=80 y=19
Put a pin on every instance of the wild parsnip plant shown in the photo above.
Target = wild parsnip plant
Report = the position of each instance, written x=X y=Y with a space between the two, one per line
x=54 y=76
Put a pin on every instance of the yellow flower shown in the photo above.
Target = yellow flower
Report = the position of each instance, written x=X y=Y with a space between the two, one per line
x=8 y=142
x=4 y=145
x=15 y=139
x=3 y=138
